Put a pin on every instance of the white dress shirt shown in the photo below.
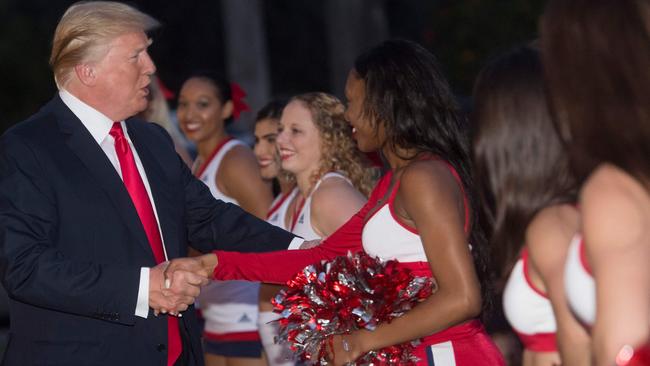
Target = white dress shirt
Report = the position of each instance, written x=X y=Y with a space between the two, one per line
x=99 y=126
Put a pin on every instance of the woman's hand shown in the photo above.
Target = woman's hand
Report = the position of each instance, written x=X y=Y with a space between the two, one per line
x=344 y=349
x=203 y=266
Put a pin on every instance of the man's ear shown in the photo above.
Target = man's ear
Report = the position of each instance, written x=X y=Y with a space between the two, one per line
x=86 y=74
x=226 y=110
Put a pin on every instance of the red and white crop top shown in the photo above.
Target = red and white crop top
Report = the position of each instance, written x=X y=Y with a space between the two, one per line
x=579 y=283
x=528 y=309
x=386 y=237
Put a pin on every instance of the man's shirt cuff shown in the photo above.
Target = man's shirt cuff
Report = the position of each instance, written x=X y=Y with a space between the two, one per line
x=296 y=243
x=142 y=307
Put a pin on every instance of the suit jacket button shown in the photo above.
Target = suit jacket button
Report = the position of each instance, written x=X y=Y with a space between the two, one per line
x=161 y=347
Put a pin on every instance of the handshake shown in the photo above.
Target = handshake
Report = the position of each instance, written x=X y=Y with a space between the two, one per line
x=174 y=285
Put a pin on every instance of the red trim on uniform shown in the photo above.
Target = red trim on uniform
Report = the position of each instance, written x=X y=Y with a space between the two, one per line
x=297 y=211
x=232 y=337
x=583 y=257
x=391 y=209
x=470 y=344
x=386 y=180
x=212 y=155
x=391 y=198
x=462 y=190
x=539 y=342
x=463 y=330
x=524 y=259
x=373 y=214
x=278 y=204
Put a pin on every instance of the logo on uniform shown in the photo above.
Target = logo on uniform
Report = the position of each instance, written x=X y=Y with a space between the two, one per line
x=301 y=220
x=245 y=319
x=274 y=217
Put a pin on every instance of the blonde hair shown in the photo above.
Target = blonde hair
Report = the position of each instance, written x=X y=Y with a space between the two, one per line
x=339 y=152
x=88 y=26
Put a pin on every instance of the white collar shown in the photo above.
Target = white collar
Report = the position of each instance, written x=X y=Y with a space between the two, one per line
x=95 y=122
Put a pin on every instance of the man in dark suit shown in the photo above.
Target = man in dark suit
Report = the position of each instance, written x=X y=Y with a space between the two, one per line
x=92 y=205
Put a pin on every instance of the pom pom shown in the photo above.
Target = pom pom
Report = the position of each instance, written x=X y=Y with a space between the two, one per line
x=343 y=295
x=238 y=95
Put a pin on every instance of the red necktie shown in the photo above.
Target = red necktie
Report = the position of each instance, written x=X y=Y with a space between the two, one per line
x=137 y=191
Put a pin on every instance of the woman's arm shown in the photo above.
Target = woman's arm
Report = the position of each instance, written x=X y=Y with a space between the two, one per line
x=615 y=216
x=430 y=197
x=270 y=267
x=547 y=238
x=280 y=266
x=239 y=177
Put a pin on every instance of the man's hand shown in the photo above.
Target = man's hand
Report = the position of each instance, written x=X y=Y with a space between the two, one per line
x=173 y=294
x=202 y=265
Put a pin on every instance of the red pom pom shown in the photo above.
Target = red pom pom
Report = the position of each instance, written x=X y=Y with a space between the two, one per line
x=346 y=294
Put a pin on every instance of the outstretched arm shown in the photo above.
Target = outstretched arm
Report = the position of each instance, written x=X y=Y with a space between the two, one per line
x=278 y=267
x=273 y=267
x=213 y=224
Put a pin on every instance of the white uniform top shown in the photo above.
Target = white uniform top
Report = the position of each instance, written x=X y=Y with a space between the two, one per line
x=278 y=211
x=579 y=283
x=227 y=306
x=528 y=309
x=385 y=236
x=303 y=225
x=209 y=173
x=276 y=354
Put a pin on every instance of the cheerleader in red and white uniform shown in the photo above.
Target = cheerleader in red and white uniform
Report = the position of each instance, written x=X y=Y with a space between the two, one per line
x=229 y=168
x=421 y=213
x=597 y=66
x=524 y=170
x=316 y=147
x=332 y=176
x=268 y=158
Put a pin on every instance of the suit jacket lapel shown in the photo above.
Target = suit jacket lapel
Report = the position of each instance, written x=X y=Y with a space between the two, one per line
x=92 y=156
x=160 y=191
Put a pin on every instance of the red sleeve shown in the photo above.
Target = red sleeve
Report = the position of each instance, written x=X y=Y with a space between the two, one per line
x=280 y=266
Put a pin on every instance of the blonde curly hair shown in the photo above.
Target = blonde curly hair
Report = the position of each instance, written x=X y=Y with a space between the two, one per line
x=339 y=152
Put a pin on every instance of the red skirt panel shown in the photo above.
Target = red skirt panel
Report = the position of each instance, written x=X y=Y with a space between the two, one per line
x=463 y=345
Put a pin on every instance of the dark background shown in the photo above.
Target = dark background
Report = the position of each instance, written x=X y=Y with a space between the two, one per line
x=308 y=45
x=270 y=47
